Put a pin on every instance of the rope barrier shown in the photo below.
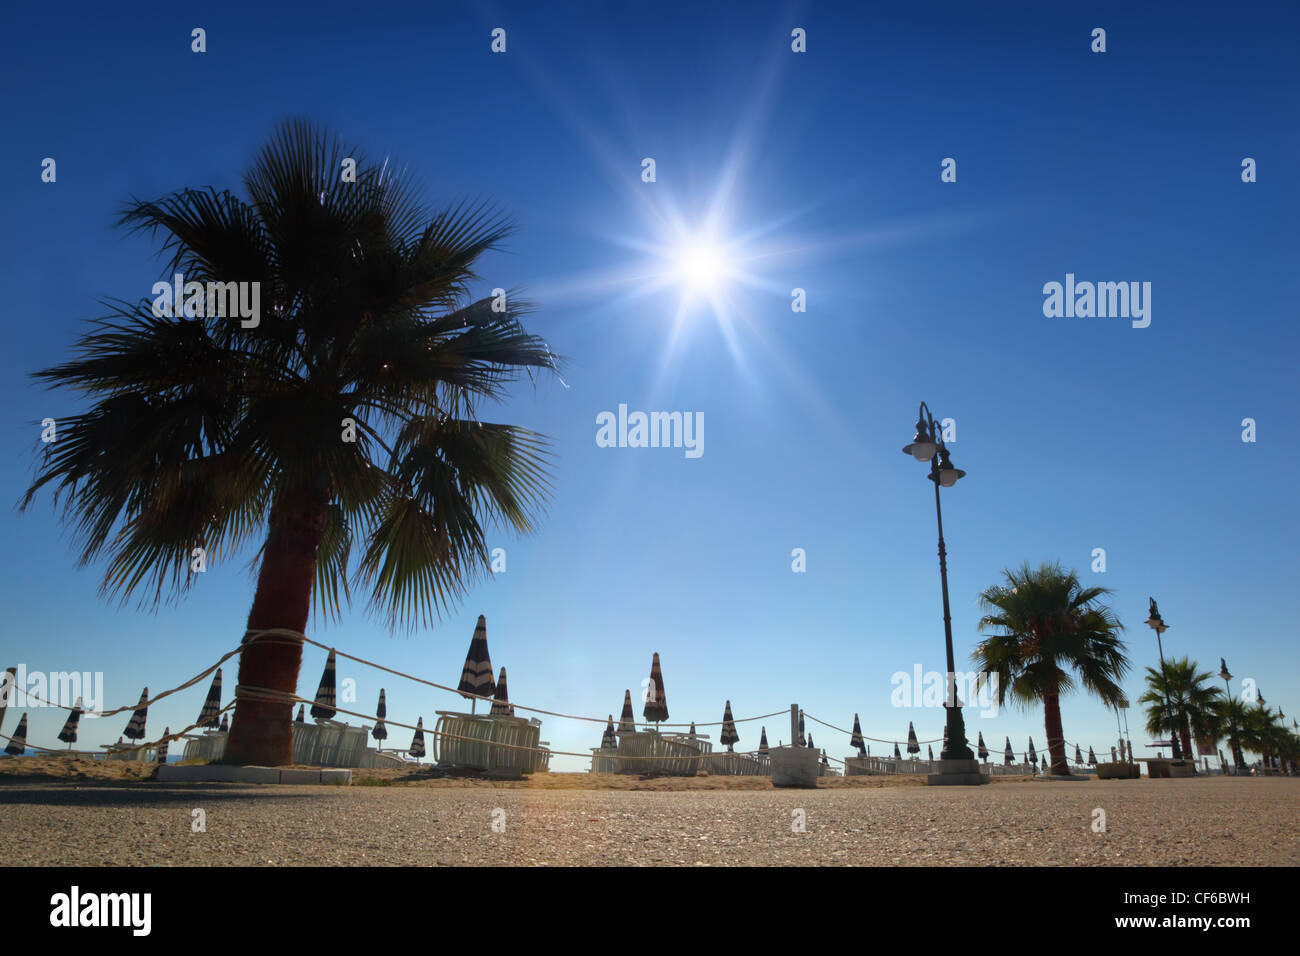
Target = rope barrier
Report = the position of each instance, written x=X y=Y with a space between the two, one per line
x=290 y=637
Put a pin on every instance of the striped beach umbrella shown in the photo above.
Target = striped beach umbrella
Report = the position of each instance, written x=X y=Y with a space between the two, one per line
x=912 y=746
x=225 y=723
x=762 y=741
x=945 y=740
x=300 y=719
x=501 y=702
x=1008 y=755
x=983 y=751
x=626 y=720
x=476 y=678
x=691 y=735
x=8 y=684
x=609 y=741
x=417 y=741
x=856 y=739
x=380 y=732
x=208 y=715
x=323 y=706
x=18 y=742
x=1092 y=758
x=729 y=735
x=656 y=704
x=161 y=754
x=803 y=739
x=135 y=726
x=897 y=755
x=1078 y=756
x=69 y=732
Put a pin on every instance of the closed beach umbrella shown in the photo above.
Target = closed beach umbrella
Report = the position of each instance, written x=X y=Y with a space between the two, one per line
x=945 y=740
x=691 y=735
x=380 y=732
x=323 y=707
x=803 y=739
x=8 y=684
x=983 y=751
x=225 y=723
x=856 y=739
x=609 y=741
x=929 y=752
x=1078 y=756
x=18 y=742
x=501 y=705
x=417 y=741
x=810 y=741
x=897 y=755
x=208 y=715
x=1008 y=755
x=912 y=746
x=729 y=735
x=626 y=720
x=825 y=762
x=476 y=678
x=69 y=732
x=656 y=705
x=300 y=719
x=1092 y=758
x=161 y=755
x=762 y=741
x=1033 y=757
x=135 y=726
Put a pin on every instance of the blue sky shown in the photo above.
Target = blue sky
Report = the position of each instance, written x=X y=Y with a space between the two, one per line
x=1077 y=433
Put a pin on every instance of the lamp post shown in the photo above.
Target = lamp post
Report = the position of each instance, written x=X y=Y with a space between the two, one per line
x=1157 y=624
x=927 y=446
x=1123 y=705
x=1237 y=762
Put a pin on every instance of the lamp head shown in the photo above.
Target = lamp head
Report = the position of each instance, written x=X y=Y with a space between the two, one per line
x=948 y=475
x=923 y=445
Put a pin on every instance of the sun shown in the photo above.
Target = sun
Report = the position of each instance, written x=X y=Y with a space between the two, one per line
x=701 y=263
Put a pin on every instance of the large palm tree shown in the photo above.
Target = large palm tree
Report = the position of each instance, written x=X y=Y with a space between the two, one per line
x=1049 y=628
x=348 y=415
x=1193 y=701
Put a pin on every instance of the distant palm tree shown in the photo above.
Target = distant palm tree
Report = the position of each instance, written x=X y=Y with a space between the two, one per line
x=1049 y=629
x=347 y=414
x=1264 y=733
x=1233 y=717
x=1193 y=702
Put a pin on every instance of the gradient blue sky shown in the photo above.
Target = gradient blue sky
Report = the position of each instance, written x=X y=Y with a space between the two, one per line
x=1076 y=433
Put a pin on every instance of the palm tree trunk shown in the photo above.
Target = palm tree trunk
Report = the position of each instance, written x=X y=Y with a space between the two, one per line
x=1055 y=734
x=261 y=733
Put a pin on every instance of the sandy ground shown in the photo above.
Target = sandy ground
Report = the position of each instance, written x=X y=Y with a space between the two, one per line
x=560 y=819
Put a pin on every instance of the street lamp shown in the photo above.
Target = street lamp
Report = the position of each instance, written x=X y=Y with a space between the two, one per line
x=1237 y=762
x=927 y=446
x=1157 y=624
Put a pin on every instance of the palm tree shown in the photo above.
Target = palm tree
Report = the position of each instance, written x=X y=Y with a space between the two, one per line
x=1050 y=628
x=1233 y=718
x=348 y=414
x=1192 y=704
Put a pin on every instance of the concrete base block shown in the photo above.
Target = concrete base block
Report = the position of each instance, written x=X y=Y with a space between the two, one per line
x=299 y=776
x=222 y=773
x=957 y=773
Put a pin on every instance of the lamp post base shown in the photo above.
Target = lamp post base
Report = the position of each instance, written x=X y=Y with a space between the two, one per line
x=957 y=773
